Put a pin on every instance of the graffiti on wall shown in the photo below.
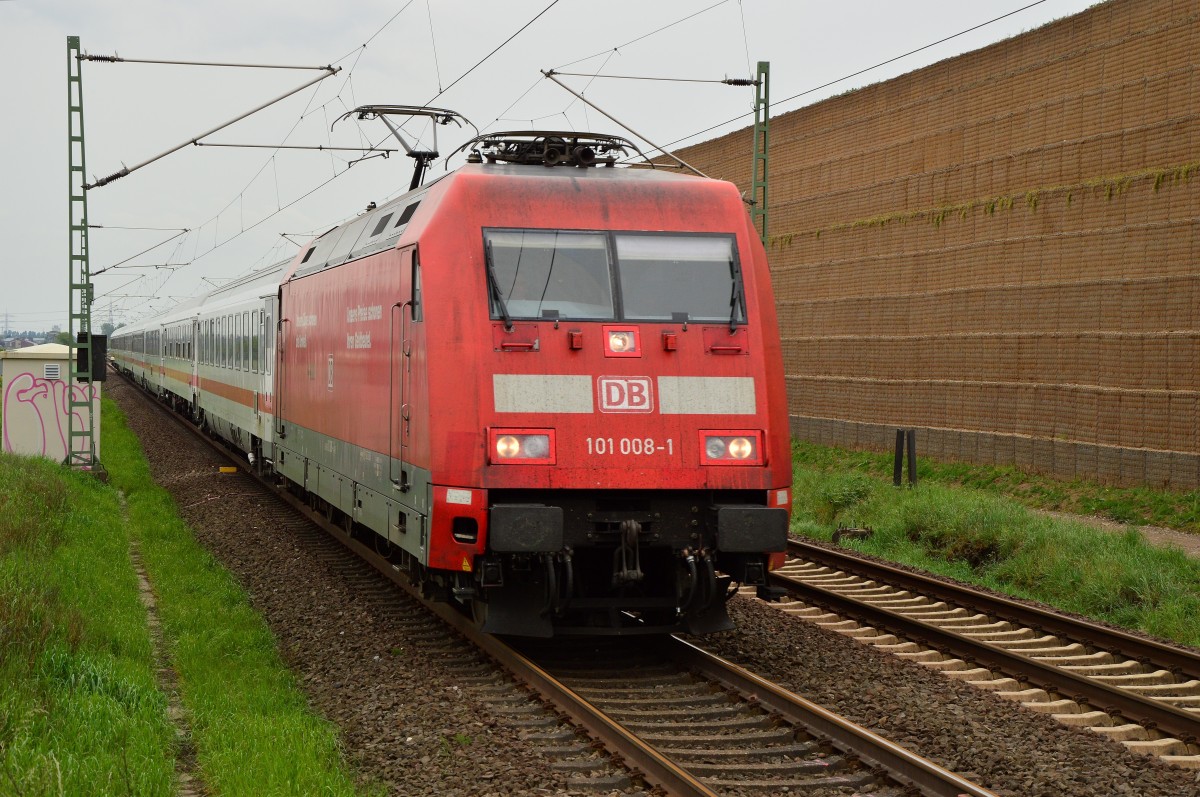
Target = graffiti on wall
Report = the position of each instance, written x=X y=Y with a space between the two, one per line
x=35 y=414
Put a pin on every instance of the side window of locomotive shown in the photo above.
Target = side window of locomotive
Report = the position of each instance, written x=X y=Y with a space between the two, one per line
x=549 y=274
x=418 y=312
x=663 y=276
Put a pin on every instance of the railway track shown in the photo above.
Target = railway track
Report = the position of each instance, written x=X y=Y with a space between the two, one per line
x=1137 y=691
x=678 y=718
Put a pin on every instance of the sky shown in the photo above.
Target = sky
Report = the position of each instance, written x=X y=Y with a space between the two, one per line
x=245 y=208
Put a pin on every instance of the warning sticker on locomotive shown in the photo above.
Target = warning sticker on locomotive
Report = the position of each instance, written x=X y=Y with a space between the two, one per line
x=625 y=393
x=355 y=315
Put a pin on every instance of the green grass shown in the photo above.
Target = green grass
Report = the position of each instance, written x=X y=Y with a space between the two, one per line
x=80 y=708
x=251 y=725
x=1141 y=506
x=980 y=536
x=80 y=711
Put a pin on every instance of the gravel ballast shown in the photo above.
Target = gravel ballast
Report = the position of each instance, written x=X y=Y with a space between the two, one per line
x=401 y=720
x=984 y=738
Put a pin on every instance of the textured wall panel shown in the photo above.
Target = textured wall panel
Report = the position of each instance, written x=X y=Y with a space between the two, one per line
x=1002 y=249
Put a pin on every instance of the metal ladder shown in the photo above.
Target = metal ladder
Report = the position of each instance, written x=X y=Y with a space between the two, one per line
x=81 y=423
x=758 y=180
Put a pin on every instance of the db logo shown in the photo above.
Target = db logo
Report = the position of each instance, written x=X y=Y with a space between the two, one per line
x=625 y=394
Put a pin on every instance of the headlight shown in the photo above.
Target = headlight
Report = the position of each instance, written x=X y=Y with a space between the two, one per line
x=524 y=446
x=731 y=448
x=740 y=448
x=621 y=341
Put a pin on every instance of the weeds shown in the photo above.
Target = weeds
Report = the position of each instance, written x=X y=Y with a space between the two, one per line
x=80 y=713
x=959 y=523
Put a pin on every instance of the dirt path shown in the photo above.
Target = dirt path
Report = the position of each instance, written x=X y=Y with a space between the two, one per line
x=1155 y=535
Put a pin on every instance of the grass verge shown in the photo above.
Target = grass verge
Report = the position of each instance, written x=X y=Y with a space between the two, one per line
x=1134 y=505
x=80 y=709
x=251 y=725
x=981 y=537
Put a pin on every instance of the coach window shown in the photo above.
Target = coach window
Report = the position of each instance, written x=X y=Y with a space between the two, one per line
x=245 y=330
x=237 y=341
x=255 y=334
x=229 y=341
x=269 y=340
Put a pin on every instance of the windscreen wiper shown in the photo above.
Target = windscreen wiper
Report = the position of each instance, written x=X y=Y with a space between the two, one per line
x=494 y=285
x=736 y=299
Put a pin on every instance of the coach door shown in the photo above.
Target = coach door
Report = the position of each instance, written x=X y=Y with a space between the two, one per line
x=400 y=358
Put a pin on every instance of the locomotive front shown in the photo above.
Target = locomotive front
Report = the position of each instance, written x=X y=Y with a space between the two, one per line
x=626 y=384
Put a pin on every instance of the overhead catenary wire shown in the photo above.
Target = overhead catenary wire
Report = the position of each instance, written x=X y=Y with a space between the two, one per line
x=745 y=38
x=197 y=255
x=861 y=71
x=118 y=227
x=126 y=170
x=318 y=147
x=139 y=254
x=608 y=53
x=550 y=76
x=433 y=41
x=729 y=81
x=644 y=36
x=116 y=59
x=384 y=138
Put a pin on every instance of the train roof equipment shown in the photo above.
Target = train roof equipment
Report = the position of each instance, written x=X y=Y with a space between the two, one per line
x=548 y=148
x=423 y=157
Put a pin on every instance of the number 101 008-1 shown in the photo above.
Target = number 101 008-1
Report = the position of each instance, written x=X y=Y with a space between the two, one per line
x=629 y=446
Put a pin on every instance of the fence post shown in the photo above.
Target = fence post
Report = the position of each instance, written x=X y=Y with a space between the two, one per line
x=898 y=466
x=912 y=457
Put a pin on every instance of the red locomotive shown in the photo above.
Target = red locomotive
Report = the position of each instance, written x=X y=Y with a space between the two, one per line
x=554 y=395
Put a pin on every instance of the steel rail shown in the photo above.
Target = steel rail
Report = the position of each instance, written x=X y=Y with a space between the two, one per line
x=1179 y=661
x=901 y=764
x=1148 y=712
x=637 y=754
x=655 y=767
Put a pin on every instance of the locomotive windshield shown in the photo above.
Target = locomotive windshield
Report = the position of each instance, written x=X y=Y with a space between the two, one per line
x=548 y=274
x=567 y=274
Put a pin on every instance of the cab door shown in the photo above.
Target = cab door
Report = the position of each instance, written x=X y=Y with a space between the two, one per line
x=405 y=351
